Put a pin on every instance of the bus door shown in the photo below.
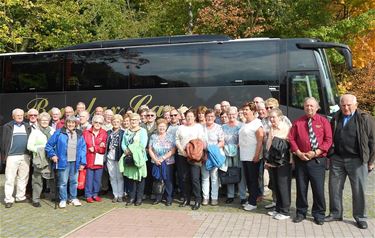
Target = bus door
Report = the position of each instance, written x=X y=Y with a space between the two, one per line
x=299 y=86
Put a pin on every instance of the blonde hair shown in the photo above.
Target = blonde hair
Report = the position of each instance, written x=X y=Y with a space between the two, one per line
x=117 y=117
x=272 y=101
x=44 y=115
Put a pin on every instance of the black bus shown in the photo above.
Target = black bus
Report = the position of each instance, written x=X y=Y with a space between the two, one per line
x=177 y=70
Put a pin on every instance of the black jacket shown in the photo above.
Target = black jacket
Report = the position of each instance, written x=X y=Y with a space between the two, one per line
x=278 y=154
x=6 y=139
x=366 y=134
x=118 y=151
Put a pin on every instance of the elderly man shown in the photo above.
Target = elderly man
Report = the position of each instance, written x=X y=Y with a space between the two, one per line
x=353 y=157
x=225 y=105
x=84 y=123
x=32 y=115
x=55 y=116
x=68 y=111
x=14 y=150
x=99 y=111
x=310 y=139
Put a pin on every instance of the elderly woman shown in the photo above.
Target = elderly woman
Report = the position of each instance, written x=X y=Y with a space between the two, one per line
x=161 y=149
x=67 y=149
x=112 y=155
x=125 y=121
x=41 y=164
x=250 y=143
x=214 y=136
x=134 y=143
x=231 y=130
x=282 y=174
x=191 y=171
x=96 y=139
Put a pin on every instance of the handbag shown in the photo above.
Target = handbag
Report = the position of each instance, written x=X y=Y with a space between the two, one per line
x=129 y=160
x=99 y=159
x=231 y=176
x=158 y=186
x=81 y=179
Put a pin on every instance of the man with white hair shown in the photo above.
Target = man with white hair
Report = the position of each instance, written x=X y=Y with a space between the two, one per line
x=14 y=150
x=55 y=117
x=84 y=123
x=32 y=115
x=68 y=111
x=353 y=157
x=225 y=105
x=310 y=139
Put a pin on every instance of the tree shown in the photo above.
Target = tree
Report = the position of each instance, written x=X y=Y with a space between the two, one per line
x=234 y=18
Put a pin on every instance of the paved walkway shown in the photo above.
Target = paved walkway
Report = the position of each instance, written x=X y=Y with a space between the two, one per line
x=138 y=222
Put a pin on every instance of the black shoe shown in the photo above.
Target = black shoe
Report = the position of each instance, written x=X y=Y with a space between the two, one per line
x=129 y=202
x=8 y=205
x=362 y=224
x=229 y=200
x=168 y=204
x=298 y=219
x=138 y=203
x=114 y=200
x=243 y=201
x=331 y=218
x=156 y=202
x=196 y=206
x=318 y=222
x=36 y=204
x=185 y=203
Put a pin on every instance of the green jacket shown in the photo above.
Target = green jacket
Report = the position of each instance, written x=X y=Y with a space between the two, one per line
x=138 y=171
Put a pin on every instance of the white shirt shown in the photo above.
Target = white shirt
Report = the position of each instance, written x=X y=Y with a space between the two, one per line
x=248 y=140
x=184 y=134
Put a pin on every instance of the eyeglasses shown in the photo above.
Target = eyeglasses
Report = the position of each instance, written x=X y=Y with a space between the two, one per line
x=174 y=115
x=98 y=122
x=33 y=115
x=269 y=108
x=150 y=115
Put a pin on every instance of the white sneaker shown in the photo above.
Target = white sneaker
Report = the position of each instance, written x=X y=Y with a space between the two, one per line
x=269 y=206
x=249 y=207
x=281 y=217
x=245 y=204
x=62 y=204
x=272 y=213
x=76 y=202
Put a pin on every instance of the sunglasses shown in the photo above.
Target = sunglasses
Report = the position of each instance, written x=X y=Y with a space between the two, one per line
x=174 y=115
x=33 y=115
x=269 y=108
x=98 y=122
x=150 y=115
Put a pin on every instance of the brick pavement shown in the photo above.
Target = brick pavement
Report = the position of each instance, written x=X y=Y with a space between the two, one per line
x=141 y=222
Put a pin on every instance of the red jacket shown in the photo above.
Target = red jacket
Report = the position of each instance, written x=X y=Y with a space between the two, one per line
x=88 y=135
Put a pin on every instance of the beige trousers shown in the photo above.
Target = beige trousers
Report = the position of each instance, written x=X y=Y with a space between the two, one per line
x=16 y=171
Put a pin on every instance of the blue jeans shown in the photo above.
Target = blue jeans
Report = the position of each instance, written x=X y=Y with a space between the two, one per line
x=69 y=173
x=93 y=182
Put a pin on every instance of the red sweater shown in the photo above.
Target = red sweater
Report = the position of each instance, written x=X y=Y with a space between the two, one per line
x=94 y=141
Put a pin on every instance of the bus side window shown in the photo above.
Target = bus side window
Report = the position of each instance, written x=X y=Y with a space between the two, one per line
x=302 y=86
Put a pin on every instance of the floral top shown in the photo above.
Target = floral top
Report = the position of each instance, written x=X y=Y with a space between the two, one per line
x=162 y=145
x=231 y=139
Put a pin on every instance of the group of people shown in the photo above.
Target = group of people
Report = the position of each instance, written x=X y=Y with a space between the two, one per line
x=189 y=150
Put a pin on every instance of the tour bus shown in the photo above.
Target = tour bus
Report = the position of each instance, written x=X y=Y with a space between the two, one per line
x=177 y=70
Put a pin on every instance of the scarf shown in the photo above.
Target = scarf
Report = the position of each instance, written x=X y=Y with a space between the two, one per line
x=46 y=131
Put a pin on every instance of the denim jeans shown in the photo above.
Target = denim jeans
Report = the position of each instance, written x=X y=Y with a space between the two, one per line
x=235 y=162
x=93 y=182
x=206 y=175
x=69 y=173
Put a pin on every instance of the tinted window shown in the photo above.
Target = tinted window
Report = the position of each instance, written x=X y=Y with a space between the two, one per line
x=204 y=64
x=303 y=86
x=300 y=59
x=29 y=73
x=104 y=69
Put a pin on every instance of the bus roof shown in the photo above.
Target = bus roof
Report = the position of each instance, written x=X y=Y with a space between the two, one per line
x=165 y=40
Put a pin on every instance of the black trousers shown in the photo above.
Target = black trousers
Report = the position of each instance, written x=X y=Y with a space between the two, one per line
x=314 y=173
x=179 y=165
x=149 y=179
x=251 y=170
x=282 y=178
x=191 y=175
x=137 y=189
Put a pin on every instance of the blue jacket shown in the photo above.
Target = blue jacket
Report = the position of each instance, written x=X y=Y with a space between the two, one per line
x=214 y=157
x=58 y=144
